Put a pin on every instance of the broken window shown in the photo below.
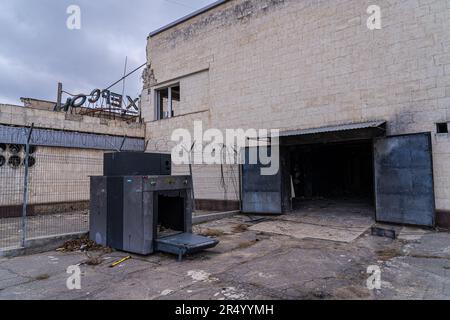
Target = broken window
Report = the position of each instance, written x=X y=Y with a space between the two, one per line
x=167 y=102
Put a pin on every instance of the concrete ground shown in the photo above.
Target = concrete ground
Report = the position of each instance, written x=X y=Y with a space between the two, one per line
x=252 y=264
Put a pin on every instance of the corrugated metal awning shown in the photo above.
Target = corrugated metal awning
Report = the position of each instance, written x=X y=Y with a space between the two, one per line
x=336 y=128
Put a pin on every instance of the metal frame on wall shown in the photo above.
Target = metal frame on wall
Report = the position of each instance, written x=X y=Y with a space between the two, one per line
x=67 y=139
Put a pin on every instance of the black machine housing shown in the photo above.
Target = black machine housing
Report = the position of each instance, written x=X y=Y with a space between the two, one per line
x=137 y=164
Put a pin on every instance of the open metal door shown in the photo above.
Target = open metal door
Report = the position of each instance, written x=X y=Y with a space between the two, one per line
x=404 y=184
x=260 y=193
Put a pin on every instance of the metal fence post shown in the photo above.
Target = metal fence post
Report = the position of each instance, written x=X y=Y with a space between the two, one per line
x=25 y=187
x=194 y=207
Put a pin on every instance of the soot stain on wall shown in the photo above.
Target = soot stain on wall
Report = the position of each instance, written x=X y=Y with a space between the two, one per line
x=241 y=12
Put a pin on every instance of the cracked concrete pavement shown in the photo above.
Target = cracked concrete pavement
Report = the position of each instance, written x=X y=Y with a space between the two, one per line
x=246 y=265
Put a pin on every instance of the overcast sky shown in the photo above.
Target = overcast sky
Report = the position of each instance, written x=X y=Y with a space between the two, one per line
x=37 y=50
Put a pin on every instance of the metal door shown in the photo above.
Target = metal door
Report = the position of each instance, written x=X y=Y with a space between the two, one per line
x=260 y=193
x=404 y=180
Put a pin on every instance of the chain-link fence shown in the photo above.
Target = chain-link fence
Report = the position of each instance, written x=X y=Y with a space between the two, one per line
x=51 y=198
x=11 y=197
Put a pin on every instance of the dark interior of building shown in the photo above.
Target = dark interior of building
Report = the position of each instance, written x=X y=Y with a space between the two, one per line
x=338 y=171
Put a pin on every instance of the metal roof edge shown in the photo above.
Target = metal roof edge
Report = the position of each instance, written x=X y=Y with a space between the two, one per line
x=188 y=17
x=334 y=128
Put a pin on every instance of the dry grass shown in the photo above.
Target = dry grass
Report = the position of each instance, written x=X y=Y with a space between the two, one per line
x=42 y=277
x=351 y=293
x=240 y=228
x=82 y=244
x=211 y=233
x=94 y=261
x=388 y=254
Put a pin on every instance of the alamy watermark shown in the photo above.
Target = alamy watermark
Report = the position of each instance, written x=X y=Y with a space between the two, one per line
x=374 y=280
x=231 y=147
x=73 y=282
x=374 y=20
x=73 y=21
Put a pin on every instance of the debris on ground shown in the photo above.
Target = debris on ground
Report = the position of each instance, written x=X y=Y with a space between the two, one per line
x=320 y=295
x=351 y=292
x=240 y=228
x=388 y=254
x=383 y=232
x=211 y=233
x=254 y=220
x=82 y=244
x=94 y=261
x=115 y=264
x=42 y=277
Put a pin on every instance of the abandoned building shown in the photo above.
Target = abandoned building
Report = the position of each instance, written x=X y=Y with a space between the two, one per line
x=65 y=150
x=363 y=113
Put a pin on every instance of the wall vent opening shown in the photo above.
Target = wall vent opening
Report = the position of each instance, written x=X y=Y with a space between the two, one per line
x=442 y=128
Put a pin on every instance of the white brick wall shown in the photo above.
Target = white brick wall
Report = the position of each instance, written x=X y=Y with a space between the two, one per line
x=20 y=116
x=305 y=64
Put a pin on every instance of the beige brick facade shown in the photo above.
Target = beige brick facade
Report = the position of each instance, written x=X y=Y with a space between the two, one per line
x=290 y=64
x=23 y=116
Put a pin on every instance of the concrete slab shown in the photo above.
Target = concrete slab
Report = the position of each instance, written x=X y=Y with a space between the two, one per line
x=342 y=222
x=412 y=234
x=9 y=279
x=431 y=245
x=333 y=218
x=304 y=231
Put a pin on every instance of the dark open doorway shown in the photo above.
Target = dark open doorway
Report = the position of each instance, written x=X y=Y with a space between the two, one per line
x=328 y=164
x=341 y=172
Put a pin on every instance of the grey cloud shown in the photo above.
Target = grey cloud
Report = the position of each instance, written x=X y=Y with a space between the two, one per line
x=37 y=50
